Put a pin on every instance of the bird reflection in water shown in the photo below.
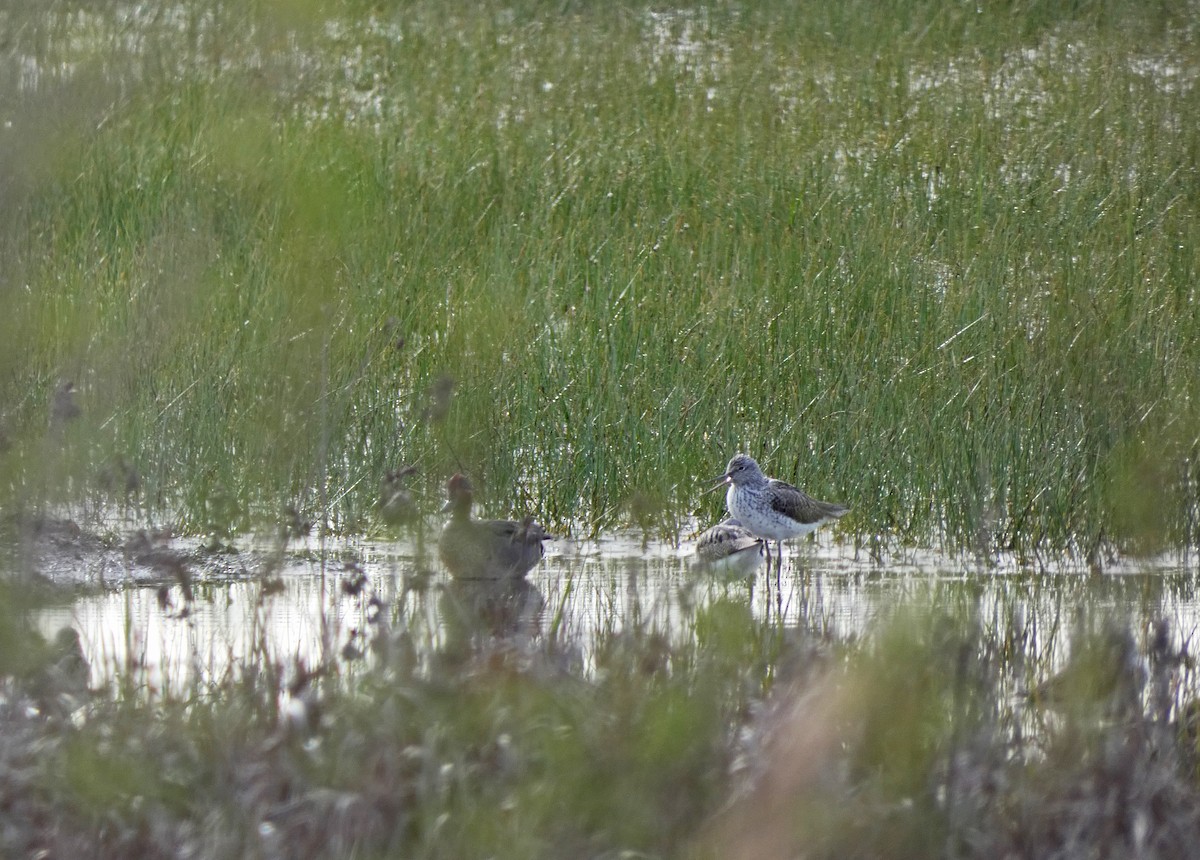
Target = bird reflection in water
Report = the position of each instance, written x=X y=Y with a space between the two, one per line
x=490 y=617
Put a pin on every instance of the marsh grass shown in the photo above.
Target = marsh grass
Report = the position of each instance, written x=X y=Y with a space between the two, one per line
x=935 y=261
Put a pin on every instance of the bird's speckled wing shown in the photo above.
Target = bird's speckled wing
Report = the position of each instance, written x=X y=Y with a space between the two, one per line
x=798 y=505
x=724 y=540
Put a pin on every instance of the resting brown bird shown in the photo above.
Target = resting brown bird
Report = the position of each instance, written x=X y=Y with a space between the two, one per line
x=730 y=547
x=486 y=549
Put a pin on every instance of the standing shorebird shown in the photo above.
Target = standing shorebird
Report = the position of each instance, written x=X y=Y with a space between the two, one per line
x=770 y=508
x=486 y=549
x=730 y=547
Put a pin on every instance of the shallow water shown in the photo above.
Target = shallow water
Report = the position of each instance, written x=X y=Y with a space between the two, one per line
x=582 y=592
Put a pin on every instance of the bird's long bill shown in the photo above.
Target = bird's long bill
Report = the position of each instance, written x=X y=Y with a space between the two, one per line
x=446 y=508
x=719 y=483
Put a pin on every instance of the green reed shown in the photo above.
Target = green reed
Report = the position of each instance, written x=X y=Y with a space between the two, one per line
x=937 y=262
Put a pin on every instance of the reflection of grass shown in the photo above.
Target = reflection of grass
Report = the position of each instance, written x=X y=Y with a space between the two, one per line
x=731 y=737
x=936 y=261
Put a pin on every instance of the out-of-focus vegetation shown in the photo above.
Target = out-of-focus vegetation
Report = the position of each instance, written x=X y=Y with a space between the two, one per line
x=954 y=731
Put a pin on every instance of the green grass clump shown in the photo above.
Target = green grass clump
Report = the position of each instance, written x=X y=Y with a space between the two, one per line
x=934 y=260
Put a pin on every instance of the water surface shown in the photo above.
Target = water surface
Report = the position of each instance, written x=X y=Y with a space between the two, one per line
x=334 y=601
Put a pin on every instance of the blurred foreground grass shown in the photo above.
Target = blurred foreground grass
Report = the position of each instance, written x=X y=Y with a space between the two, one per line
x=937 y=736
x=937 y=260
